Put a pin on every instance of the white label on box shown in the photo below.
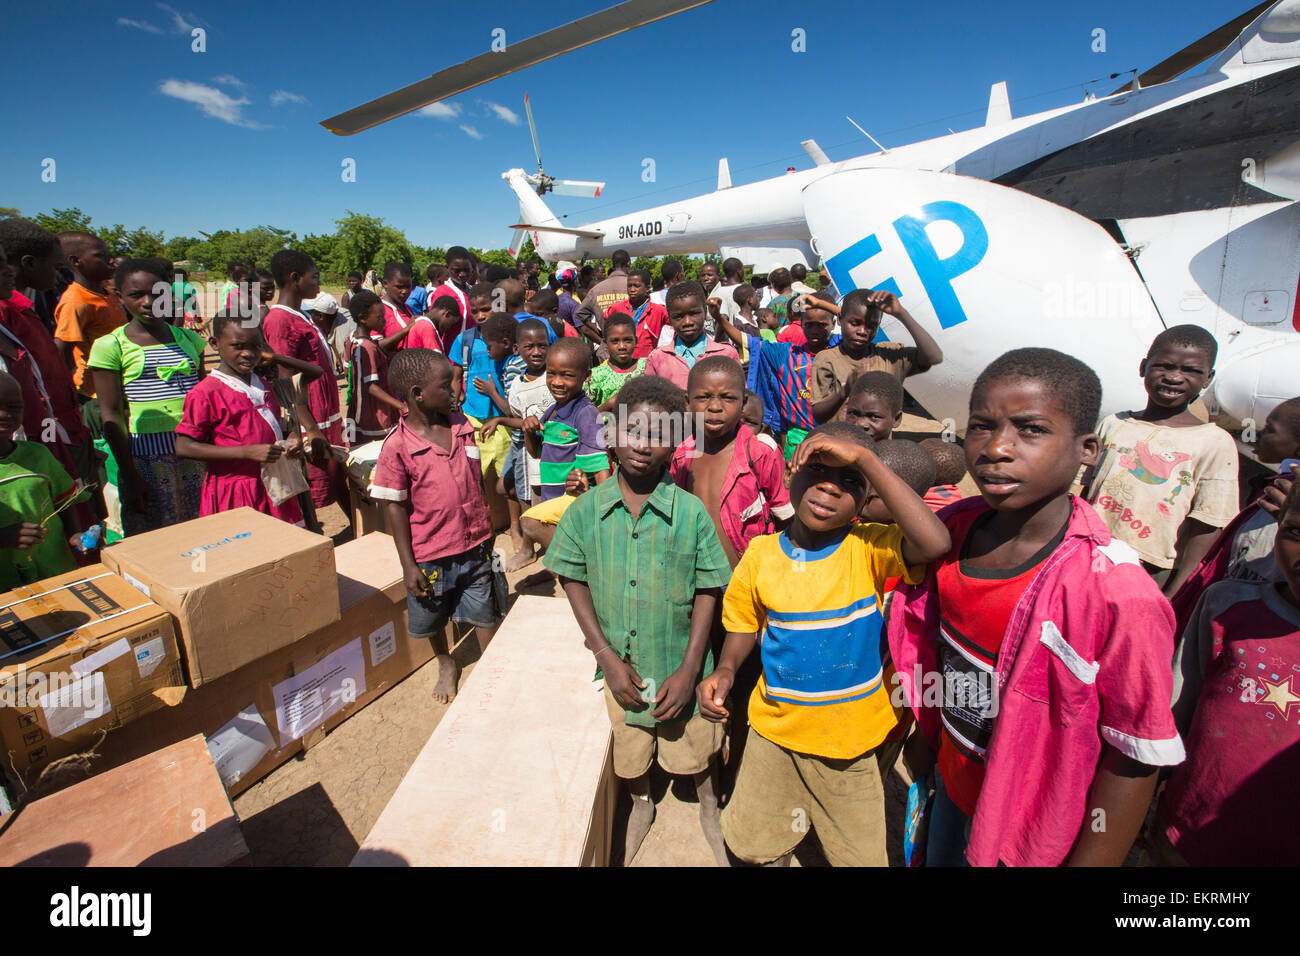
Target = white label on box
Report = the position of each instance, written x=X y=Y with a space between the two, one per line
x=149 y=655
x=383 y=644
x=307 y=700
x=101 y=657
x=137 y=584
x=79 y=702
x=240 y=745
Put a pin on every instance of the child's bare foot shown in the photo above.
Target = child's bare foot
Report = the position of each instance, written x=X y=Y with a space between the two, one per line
x=444 y=692
x=524 y=555
x=707 y=793
x=638 y=825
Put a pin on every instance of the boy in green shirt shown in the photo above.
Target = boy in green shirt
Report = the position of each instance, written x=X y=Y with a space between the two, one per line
x=642 y=567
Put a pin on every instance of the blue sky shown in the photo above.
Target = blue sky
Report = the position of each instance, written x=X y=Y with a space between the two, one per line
x=145 y=131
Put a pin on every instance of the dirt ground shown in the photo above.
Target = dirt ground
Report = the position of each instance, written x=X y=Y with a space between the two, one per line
x=318 y=808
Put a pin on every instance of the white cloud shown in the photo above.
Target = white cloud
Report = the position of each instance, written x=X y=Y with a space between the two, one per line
x=179 y=23
x=504 y=113
x=471 y=132
x=212 y=101
x=284 y=96
x=227 y=79
x=441 y=110
x=138 y=24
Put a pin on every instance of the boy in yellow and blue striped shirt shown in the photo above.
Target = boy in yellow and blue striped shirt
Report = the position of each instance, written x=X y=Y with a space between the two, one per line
x=811 y=598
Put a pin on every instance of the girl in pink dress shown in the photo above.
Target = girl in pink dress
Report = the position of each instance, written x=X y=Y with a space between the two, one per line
x=232 y=422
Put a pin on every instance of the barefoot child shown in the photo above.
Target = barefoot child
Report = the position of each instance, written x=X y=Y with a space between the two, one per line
x=143 y=371
x=1049 y=644
x=528 y=398
x=641 y=566
x=623 y=364
x=875 y=403
x=1168 y=482
x=1232 y=803
x=721 y=462
x=231 y=422
x=430 y=482
x=373 y=410
x=833 y=370
x=38 y=530
x=686 y=315
x=822 y=707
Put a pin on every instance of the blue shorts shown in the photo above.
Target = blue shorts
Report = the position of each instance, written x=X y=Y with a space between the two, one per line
x=516 y=466
x=461 y=589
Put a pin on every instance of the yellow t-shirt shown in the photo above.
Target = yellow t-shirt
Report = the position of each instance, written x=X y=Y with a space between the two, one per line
x=1154 y=477
x=826 y=681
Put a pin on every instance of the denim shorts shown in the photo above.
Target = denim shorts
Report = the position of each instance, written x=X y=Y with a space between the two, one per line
x=461 y=589
x=517 y=467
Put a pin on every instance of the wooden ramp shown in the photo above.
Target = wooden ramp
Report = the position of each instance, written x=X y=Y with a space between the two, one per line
x=519 y=771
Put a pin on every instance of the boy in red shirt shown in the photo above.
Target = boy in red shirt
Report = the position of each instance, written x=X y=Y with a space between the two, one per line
x=429 y=479
x=650 y=317
x=372 y=409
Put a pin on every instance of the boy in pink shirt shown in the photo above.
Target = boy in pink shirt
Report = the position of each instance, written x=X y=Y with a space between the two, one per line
x=428 y=477
x=1035 y=654
x=685 y=303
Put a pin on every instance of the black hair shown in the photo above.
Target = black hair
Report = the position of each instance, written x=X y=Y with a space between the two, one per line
x=779 y=278
x=846 y=431
x=642 y=274
x=263 y=274
x=393 y=269
x=543 y=300
x=410 y=367
x=481 y=290
x=235 y=269
x=458 y=252
x=855 y=298
x=1289 y=413
x=683 y=290
x=883 y=385
x=578 y=347
x=669 y=270
x=362 y=301
x=949 y=460
x=436 y=272
x=22 y=237
x=500 y=325
x=732 y=265
x=76 y=240
x=798 y=272
x=620 y=259
x=532 y=325
x=752 y=397
x=716 y=363
x=1075 y=385
x=158 y=268
x=657 y=392
x=495 y=274
x=514 y=293
x=224 y=318
x=448 y=303
x=354 y=274
x=617 y=318
x=909 y=461
x=1187 y=336
x=742 y=293
x=288 y=261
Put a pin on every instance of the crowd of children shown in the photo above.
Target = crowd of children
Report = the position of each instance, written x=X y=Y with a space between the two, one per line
x=1091 y=658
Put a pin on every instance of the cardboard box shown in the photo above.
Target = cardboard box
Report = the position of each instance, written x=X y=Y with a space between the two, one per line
x=80 y=653
x=530 y=712
x=259 y=716
x=242 y=585
x=145 y=813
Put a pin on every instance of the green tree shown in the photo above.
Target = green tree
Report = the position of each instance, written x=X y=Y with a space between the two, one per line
x=178 y=247
x=9 y=212
x=144 y=243
x=64 y=220
x=115 y=238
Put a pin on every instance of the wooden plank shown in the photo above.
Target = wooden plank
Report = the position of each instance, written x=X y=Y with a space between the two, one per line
x=518 y=772
x=165 y=809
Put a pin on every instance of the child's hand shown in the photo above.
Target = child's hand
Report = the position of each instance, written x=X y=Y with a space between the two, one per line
x=575 y=483
x=885 y=301
x=22 y=536
x=417 y=585
x=674 y=694
x=1275 y=493
x=827 y=451
x=533 y=425
x=623 y=681
x=712 y=694
x=296 y=450
x=489 y=426
x=485 y=386
x=714 y=304
x=74 y=542
x=265 y=355
x=264 y=454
